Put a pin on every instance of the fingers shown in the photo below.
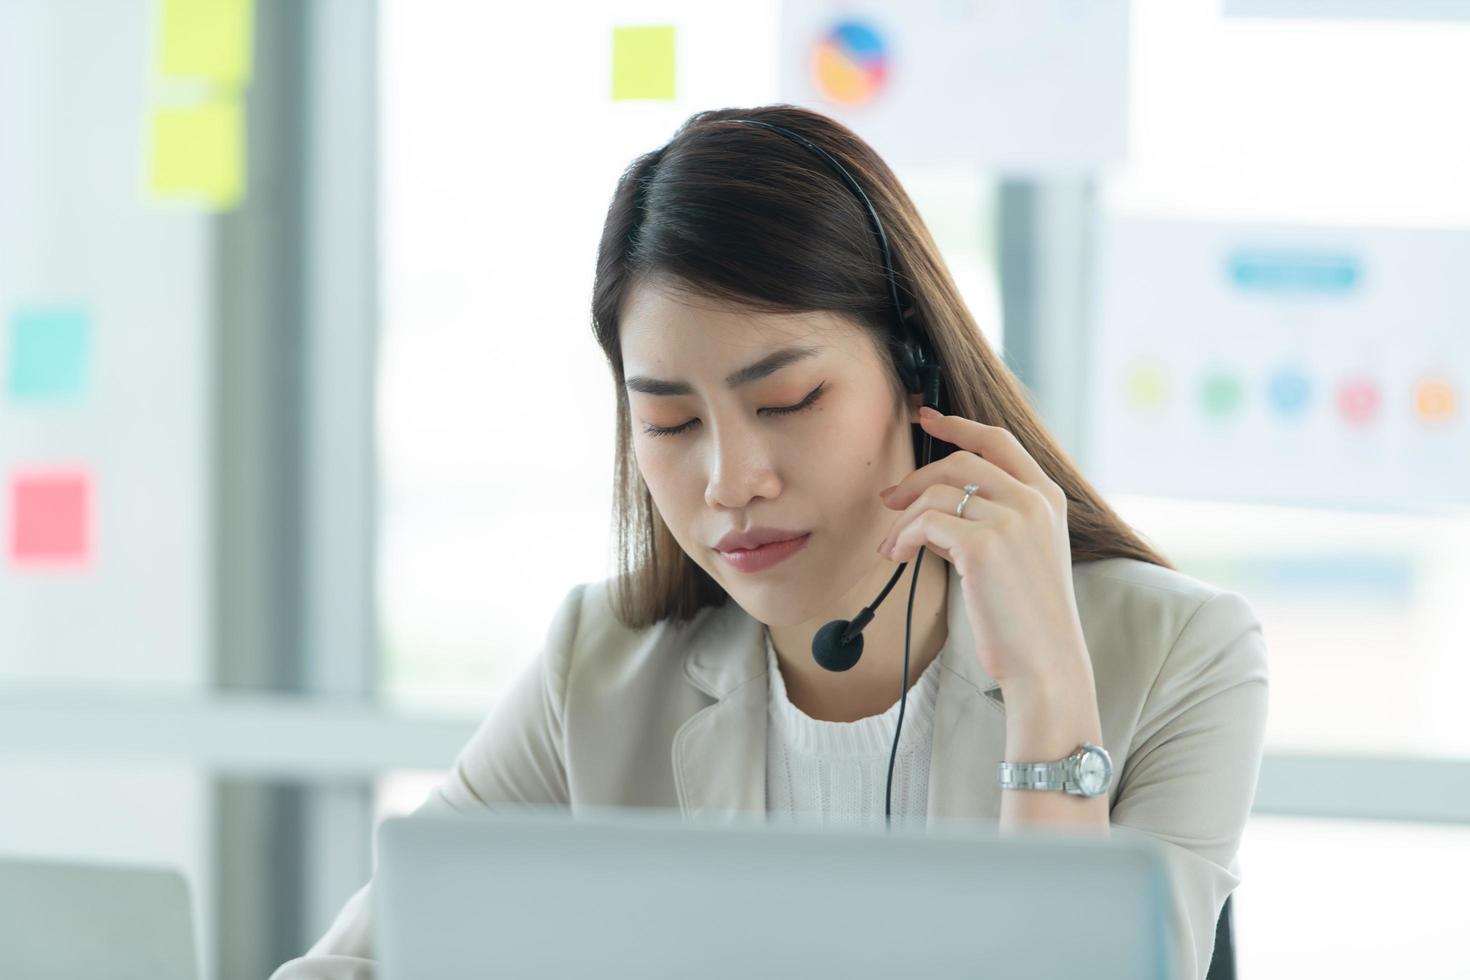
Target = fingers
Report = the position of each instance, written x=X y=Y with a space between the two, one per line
x=957 y=470
x=947 y=535
x=996 y=443
x=989 y=456
x=908 y=533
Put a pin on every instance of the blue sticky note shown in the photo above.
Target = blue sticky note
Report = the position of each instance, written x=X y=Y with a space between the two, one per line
x=48 y=353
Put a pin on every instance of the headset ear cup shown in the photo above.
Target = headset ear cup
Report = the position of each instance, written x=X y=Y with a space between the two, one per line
x=908 y=368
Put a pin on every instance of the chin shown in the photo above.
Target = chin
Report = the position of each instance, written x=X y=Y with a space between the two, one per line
x=771 y=602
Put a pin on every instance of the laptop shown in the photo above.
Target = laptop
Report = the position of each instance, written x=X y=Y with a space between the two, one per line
x=75 y=921
x=538 y=893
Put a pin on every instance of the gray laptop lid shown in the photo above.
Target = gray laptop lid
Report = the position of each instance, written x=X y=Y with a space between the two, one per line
x=73 y=921
x=528 y=893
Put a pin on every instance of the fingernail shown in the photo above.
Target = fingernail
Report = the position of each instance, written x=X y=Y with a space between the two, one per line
x=885 y=493
x=929 y=413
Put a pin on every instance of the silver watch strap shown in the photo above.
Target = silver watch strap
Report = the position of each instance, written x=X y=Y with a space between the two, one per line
x=1032 y=775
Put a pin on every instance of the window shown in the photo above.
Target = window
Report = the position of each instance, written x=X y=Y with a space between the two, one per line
x=496 y=420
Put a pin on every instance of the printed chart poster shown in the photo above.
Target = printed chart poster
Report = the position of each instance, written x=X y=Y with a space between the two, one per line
x=1273 y=364
x=1024 y=87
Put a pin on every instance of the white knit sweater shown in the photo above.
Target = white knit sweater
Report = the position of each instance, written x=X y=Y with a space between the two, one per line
x=835 y=772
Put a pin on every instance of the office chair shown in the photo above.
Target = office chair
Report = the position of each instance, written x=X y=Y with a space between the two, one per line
x=1222 y=964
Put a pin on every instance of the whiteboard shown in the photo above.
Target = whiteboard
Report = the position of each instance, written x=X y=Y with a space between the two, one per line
x=133 y=615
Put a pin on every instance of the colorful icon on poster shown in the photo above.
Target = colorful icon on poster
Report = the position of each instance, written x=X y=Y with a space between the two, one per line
x=850 y=64
x=1221 y=393
x=1146 y=387
x=1357 y=401
x=1434 y=401
x=1289 y=393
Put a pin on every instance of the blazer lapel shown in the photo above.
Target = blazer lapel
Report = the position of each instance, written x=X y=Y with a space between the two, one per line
x=969 y=725
x=719 y=753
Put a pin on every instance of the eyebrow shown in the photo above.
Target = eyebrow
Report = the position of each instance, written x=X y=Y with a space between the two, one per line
x=762 y=368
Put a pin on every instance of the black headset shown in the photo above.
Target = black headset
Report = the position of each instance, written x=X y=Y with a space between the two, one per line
x=839 y=645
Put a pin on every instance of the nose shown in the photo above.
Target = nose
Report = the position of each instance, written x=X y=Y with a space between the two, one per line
x=740 y=468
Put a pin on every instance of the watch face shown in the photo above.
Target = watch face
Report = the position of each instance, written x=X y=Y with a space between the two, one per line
x=1092 y=773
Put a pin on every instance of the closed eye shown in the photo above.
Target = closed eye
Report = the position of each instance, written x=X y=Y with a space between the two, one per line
x=801 y=406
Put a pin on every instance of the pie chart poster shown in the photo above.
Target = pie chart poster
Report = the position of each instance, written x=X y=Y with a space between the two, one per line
x=1021 y=87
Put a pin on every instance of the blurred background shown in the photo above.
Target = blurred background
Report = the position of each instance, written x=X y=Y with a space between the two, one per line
x=303 y=433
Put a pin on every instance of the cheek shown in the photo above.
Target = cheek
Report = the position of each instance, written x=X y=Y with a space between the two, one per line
x=660 y=468
x=662 y=472
x=864 y=452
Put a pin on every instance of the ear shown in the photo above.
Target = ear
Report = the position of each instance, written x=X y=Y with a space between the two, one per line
x=915 y=402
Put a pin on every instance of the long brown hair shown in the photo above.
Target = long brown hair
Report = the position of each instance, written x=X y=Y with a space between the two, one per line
x=740 y=214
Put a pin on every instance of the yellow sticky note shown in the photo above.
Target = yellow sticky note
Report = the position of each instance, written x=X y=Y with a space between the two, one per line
x=643 y=63
x=206 y=39
x=198 y=152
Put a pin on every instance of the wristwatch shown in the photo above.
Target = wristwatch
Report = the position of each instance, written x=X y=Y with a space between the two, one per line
x=1086 y=772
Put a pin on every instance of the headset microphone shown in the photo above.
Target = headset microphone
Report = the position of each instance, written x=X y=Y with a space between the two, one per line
x=839 y=645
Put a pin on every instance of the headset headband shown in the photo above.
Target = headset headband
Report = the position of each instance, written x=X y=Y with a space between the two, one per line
x=918 y=367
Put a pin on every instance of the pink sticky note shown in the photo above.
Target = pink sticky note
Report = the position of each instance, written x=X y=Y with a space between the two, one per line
x=49 y=517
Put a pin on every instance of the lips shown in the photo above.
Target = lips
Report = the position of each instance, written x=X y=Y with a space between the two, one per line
x=755 y=537
x=764 y=557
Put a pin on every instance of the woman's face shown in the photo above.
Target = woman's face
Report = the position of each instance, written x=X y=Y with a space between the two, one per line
x=734 y=463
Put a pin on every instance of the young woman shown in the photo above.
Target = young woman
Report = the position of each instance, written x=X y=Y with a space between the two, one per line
x=770 y=479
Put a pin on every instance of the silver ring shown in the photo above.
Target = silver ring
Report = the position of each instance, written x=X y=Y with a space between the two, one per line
x=970 y=490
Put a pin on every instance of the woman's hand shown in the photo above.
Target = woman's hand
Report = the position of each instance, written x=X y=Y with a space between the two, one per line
x=1011 y=549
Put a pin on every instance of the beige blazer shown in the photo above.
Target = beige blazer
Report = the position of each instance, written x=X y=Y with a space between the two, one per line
x=675 y=716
